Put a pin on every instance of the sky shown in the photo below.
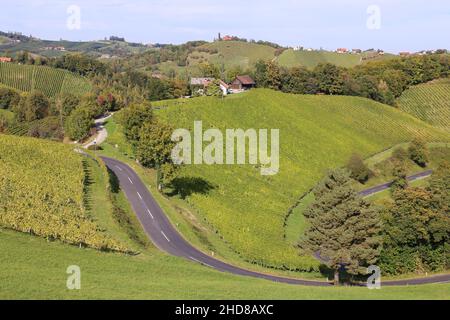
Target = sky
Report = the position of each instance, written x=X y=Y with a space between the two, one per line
x=392 y=25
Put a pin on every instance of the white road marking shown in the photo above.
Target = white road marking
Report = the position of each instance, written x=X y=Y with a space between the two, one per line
x=148 y=210
x=119 y=168
x=140 y=197
x=130 y=180
x=202 y=263
x=162 y=232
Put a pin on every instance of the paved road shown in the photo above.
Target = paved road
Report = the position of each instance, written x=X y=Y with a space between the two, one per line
x=382 y=187
x=168 y=239
x=102 y=133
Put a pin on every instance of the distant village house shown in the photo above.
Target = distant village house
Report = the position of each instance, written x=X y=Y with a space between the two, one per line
x=243 y=83
x=5 y=59
x=342 y=50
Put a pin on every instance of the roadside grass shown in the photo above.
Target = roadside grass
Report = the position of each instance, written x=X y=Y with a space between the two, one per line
x=33 y=268
x=187 y=220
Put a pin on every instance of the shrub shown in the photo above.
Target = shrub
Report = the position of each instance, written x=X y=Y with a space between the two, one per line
x=359 y=170
x=8 y=98
x=418 y=152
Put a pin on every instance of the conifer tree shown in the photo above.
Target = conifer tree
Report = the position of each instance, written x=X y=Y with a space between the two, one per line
x=344 y=228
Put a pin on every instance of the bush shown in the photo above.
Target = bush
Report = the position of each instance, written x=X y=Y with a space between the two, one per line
x=8 y=98
x=400 y=154
x=78 y=124
x=418 y=152
x=359 y=170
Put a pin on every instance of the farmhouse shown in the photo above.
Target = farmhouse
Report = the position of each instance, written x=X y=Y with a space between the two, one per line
x=224 y=87
x=5 y=59
x=342 y=50
x=243 y=83
x=227 y=38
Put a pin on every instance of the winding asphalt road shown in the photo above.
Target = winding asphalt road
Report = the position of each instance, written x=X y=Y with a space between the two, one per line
x=168 y=239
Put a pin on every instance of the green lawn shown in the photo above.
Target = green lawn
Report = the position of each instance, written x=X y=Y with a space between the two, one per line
x=33 y=268
x=310 y=59
x=317 y=133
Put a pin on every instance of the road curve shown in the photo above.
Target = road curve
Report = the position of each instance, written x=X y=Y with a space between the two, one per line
x=385 y=186
x=168 y=239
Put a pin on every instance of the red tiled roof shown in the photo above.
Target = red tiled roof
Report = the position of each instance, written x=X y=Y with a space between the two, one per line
x=246 y=80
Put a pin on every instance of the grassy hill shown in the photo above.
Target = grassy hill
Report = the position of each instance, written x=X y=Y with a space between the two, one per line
x=49 y=81
x=310 y=59
x=429 y=102
x=236 y=53
x=316 y=133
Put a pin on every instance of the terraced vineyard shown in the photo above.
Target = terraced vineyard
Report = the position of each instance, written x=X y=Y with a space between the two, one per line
x=429 y=102
x=49 y=81
x=316 y=133
x=44 y=195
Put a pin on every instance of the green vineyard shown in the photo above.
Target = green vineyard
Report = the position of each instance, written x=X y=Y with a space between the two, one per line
x=49 y=81
x=316 y=133
x=429 y=102
x=44 y=195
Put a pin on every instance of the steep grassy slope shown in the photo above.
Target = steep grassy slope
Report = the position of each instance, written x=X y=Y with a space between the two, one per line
x=44 y=190
x=316 y=133
x=49 y=81
x=429 y=102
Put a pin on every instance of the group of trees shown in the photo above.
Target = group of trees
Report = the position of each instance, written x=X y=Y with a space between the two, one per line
x=70 y=115
x=151 y=141
x=417 y=227
x=381 y=81
x=411 y=234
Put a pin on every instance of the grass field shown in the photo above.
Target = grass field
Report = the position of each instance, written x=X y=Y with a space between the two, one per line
x=317 y=133
x=310 y=59
x=49 y=81
x=237 y=53
x=32 y=268
x=429 y=102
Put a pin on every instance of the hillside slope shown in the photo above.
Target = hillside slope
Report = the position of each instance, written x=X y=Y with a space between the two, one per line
x=429 y=102
x=316 y=133
x=48 y=194
x=49 y=81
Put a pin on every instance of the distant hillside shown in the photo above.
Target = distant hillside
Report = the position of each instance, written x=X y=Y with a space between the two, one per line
x=49 y=48
x=310 y=59
x=49 y=81
x=429 y=102
x=316 y=133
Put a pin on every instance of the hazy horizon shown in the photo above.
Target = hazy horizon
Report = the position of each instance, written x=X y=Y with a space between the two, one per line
x=390 y=25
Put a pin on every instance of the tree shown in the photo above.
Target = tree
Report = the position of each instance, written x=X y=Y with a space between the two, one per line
x=32 y=106
x=418 y=152
x=359 y=170
x=344 y=228
x=154 y=150
x=400 y=174
x=132 y=119
x=329 y=78
x=416 y=232
x=79 y=123
x=66 y=103
x=8 y=98
x=274 y=77
x=213 y=89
